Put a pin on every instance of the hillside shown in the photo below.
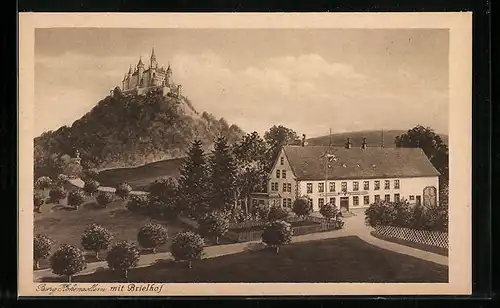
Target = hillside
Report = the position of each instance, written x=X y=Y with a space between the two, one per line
x=373 y=138
x=126 y=131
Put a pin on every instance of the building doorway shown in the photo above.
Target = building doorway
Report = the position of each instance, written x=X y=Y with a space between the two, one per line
x=344 y=204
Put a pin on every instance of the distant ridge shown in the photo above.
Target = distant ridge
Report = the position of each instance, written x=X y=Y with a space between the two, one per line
x=373 y=138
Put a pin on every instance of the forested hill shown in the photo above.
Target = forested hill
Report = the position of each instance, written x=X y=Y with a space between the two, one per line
x=373 y=138
x=123 y=131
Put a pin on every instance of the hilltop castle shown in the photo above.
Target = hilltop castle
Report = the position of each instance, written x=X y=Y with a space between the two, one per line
x=142 y=80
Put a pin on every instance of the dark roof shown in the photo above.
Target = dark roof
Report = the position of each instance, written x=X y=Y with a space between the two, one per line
x=356 y=163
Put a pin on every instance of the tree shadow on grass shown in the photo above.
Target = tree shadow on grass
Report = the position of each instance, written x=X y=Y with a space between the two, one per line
x=92 y=206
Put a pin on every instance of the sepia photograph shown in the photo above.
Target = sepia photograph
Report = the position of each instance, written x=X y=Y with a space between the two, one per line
x=167 y=156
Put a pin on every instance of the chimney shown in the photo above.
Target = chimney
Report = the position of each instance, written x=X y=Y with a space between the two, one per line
x=303 y=139
x=363 y=145
x=348 y=143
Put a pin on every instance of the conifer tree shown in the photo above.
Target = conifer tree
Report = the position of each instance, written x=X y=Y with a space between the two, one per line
x=193 y=181
x=222 y=176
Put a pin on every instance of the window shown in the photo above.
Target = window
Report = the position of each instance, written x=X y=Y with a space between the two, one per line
x=274 y=186
x=377 y=185
x=277 y=202
x=321 y=202
x=344 y=186
x=419 y=200
x=396 y=197
x=387 y=198
x=366 y=200
x=366 y=185
x=309 y=188
x=289 y=202
x=283 y=174
x=284 y=202
x=282 y=160
x=377 y=198
x=261 y=202
x=387 y=184
x=310 y=201
x=396 y=184
x=332 y=200
x=255 y=202
x=284 y=187
x=277 y=174
x=355 y=200
x=355 y=186
x=321 y=187
x=332 y=186
x=412 y=198
x=289 y=187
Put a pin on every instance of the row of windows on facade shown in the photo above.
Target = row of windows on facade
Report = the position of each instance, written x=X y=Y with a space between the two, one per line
x=355 y=186
x=366 y=199
x=287 y=187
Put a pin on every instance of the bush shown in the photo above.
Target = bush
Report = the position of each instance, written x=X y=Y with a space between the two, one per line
x=41 y=248
x=62 y=179
x=162 y=208
x=38 y=201
x=138 y=203
x=277 y=213
x=91 y=186
x=151 y=236
x=43 y=182
x=215 y=224
x=90 y=174
x=96 y=238
x=187 y=246
x=329 y=211
x=163 y=189
x=261 y=211
x=57 y=193
x=122 y=257
x=277 y=233
x=123 y=190
x=76 y=198
x=104 y=198
x=302 y=207
x=67 y=261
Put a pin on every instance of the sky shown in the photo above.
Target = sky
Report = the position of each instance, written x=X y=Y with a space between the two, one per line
x=310 y=80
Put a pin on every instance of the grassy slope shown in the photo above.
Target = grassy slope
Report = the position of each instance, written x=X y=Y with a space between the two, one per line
x=65 y=226
x=373 y=138
x=347 y=259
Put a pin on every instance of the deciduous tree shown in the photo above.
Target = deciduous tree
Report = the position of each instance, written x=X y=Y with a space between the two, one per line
x=76 y=198
x=123 y=256
x=96 y=238
x=277 y=234
x=215 y=224
x=151 y=236
x=104 y=198
x=123 y=190
x=91 y=186
x=42 y=245
x=67 y=261
x=302 y=207
x=57 y=193
x=187 y=246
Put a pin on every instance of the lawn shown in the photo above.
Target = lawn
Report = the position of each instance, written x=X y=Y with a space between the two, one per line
x=345 y=259
x=140 y=177
x=65 y=225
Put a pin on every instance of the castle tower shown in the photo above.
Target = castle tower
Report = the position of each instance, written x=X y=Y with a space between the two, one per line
x=179 y=91
x=168 y=75
x=153 y=64
x=140 y=71
x=129 y=76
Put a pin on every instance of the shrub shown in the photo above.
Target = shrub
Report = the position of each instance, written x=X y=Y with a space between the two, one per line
x=329 y=211
x=67 y=261
x=122 y=257
x=62 y=179
x=261 y=211
x=215 y=224
x=104 y=198
x=277 y=233
x=123 y=190
x=138 y=203
x=96 y=238
x=38 y=201
x=90 y=174
x=76 y=198
x=151 y=236
x=302 y=207
x=162 y=208
x=41 y=248
x=379 y=214
x=163 y=188
x=91 y=186
x=43 y=182
x=277 y=213
x=187 y=246
x=57 y=193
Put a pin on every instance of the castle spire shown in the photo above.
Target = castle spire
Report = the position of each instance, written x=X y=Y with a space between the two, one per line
x=130 y=69
x=153 y=56
x=140 y=62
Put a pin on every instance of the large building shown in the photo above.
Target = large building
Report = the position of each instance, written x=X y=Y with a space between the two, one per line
x=350 y=177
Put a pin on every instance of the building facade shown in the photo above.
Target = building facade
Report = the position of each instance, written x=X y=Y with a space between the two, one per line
x=350 y=178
